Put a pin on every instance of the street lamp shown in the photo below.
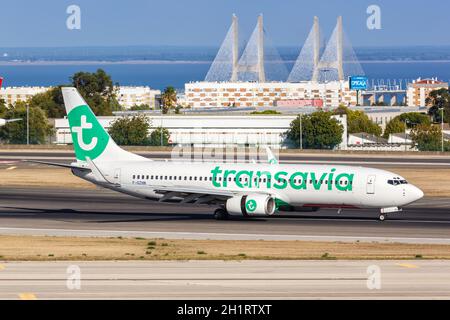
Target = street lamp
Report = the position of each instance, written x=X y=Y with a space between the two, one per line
x=406 y=128
x=28 y=124
x=442 y=128
x=301 y=131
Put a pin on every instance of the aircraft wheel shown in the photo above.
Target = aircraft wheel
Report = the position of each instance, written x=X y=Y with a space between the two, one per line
x=221 y=214
x=382 y=217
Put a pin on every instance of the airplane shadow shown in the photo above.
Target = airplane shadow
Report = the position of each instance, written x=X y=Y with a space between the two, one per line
x=89 y=216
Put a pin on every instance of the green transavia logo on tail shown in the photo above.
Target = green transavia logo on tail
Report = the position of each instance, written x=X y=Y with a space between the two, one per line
x=89 y=137
x=281 y=180
x=251 y=206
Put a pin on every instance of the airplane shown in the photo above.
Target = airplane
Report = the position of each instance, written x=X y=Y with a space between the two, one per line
x=3 y=122
x=236 y=189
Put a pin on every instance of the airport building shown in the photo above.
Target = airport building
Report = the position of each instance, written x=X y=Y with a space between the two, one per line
x=213 y=130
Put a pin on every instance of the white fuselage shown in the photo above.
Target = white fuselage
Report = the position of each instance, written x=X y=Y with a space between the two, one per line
x=323 y=186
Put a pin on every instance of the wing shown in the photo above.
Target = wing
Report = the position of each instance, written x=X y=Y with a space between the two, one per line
x=192 y=194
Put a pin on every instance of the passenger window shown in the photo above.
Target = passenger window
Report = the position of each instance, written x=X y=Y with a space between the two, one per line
x=134 y=176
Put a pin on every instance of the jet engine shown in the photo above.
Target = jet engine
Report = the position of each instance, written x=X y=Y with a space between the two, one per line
x=251 y=205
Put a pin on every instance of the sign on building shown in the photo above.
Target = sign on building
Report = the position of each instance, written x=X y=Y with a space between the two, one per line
x=358 y=83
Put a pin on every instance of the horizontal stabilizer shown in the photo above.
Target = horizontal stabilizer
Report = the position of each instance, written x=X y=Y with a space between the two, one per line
x=69 y=166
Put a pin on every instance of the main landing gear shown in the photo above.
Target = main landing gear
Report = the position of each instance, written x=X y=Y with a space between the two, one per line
x=221 y=214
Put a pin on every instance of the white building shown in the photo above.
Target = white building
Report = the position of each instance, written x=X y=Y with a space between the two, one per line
x=362 y=138
x=260 y=94
x=212 y=131
x=401 y=138
x=419 y=90
x=382 y=115
x=12 y=95
x=131 y=96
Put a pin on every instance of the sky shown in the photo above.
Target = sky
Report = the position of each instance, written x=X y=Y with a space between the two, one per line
x=42 y=23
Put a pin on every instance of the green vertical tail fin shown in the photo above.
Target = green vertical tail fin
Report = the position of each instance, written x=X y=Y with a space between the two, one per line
x=90 y=139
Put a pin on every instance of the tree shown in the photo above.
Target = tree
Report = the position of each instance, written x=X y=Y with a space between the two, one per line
x=155 y=137
x=319 y=131
x=130 y=131
x=98 y=90
x=439 y=99
x=51 y=102
x=413 y=119
x=265 y=112
x=169 y=99
x=16 y=132
x=3 y=108
x=140 y=107
x=358 y=121
x=428 y=138
x=394 y=126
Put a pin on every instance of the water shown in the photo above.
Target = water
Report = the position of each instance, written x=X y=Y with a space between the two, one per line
x=160 y=76
x=183 y=65
x=157 y=76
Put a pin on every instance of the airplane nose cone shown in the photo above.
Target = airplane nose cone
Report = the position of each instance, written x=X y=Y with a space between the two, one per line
x=416 y=193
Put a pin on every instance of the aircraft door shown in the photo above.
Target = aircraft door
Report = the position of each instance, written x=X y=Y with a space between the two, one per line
x=371 y=184
x=117 y=176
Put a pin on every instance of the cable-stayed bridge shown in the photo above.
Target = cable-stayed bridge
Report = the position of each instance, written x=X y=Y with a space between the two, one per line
x=261 y=62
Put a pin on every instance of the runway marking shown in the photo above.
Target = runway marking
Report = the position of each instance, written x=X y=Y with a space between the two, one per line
x=217 y=236
x=11 y=168
x=407 y=265
x=27 y=296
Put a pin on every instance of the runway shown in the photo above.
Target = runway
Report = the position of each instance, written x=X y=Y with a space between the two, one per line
x=287 y=158
x=226 y=280
x=104 y=214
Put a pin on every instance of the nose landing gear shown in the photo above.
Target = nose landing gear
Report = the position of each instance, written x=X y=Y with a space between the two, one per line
x=384 y=212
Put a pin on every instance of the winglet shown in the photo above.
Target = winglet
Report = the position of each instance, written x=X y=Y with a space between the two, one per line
x=271 y=157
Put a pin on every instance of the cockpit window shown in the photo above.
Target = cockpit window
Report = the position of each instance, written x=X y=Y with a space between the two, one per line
x=397 y=182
